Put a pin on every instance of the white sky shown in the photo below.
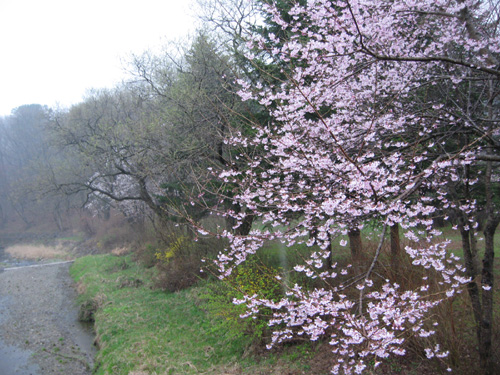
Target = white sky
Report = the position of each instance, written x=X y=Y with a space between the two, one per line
x=53 y=51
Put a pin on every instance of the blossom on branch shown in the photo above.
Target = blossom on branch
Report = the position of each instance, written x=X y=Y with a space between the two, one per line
x=353 y=140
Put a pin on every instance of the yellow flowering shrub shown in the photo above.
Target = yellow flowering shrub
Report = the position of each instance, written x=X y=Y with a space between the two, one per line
x=173 y=249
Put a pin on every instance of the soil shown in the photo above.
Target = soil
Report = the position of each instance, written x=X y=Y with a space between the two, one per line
x=39 y=329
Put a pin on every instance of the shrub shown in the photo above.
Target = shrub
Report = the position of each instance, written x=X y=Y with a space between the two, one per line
x=252 y=277
x=178 y=273
x=146 y=255
x=179 y=260
x=178 y=247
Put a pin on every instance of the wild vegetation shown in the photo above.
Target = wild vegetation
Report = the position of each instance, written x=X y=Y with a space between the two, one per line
x=141 y=330
x=331 y=166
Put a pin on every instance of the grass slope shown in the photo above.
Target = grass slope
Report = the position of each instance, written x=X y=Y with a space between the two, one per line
x=143 y=331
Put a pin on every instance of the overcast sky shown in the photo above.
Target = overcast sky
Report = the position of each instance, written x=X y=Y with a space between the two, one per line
x=53 y=51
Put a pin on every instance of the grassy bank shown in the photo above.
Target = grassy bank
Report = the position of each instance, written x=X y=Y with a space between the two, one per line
x=144 y=331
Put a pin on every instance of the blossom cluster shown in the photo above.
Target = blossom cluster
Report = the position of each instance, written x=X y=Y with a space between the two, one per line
x=123 y=189
x=352 y=141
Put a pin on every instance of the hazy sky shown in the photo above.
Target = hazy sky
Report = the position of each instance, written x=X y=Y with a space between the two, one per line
x=52 y=51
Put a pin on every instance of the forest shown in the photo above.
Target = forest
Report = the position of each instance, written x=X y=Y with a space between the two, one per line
x=331 y=166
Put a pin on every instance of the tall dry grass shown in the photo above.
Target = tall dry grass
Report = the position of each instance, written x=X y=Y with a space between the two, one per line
x=36 y=252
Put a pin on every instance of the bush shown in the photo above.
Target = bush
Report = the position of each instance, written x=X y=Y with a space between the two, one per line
x=251 y=277
x=178 y=273
x=179 y=260
x=177 y=247
x=146 y=255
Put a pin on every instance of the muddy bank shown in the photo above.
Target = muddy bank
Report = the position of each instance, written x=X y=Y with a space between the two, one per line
x=39 y=329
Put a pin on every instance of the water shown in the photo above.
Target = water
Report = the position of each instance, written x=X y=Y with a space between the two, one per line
x=17 y=361
x=7 y=261
x=14 y=360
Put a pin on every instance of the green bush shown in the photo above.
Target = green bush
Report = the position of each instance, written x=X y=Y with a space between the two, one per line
x=249 y=278
x=180 y=259
x=178 y=274
x=177 y=247
x=146 y=255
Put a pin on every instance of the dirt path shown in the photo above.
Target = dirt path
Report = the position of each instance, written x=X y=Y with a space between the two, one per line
x=39 y=330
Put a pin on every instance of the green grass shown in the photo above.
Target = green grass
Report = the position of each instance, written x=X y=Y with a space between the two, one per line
x=140 y=329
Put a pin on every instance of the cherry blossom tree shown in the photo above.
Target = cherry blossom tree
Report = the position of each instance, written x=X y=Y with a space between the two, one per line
x=365 y=128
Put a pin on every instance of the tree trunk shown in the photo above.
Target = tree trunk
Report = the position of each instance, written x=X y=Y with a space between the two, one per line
x=395 y=250
x=472 y=272
x=487 y=281
x=474 y=250
x=58 y=219
x=246 y=225
x=487 y=277
x=356 y=247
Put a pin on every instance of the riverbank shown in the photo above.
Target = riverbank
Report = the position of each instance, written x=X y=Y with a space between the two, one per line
x=39 y=329
x=141 y=330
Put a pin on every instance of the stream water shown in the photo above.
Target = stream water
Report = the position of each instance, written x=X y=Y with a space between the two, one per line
x=6 y=261
x=39 y=328
x=14 y=360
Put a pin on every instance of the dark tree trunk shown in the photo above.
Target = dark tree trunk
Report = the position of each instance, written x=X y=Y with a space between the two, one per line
x=58 y=219
x=474 y=250
x=487 y=278
x=472 y=272
x=395 y=250
x=356 y=246
x=246 y=225
x=487 y=281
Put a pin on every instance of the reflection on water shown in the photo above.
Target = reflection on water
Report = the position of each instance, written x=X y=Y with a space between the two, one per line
x=63 y=320
x=15 y=361
x=12 y=359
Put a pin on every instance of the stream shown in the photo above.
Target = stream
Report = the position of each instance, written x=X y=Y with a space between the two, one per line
x=39 y=329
